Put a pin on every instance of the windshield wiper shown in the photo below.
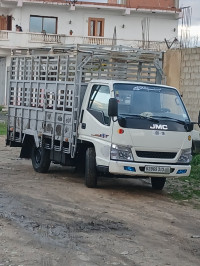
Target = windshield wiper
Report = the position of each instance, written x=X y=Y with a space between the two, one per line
x=140 y=116
x=173 y=119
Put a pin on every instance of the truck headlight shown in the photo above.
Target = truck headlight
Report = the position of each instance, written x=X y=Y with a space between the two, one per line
x=120 y=153
x=185 y=156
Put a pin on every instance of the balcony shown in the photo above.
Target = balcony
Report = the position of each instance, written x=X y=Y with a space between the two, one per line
x=19 y=40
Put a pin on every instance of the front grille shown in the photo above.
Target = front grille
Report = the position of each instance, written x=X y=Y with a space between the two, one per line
x=153 y=154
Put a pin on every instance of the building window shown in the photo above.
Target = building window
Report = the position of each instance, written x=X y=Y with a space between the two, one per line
x=43 y=24
x=96 y=27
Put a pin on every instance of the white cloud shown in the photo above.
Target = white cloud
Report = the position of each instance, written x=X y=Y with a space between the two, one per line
x=195 y=30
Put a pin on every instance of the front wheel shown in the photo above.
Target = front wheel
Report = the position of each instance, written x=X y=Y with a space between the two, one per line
x=90 y=168
x=158 y=182
x=40 y=159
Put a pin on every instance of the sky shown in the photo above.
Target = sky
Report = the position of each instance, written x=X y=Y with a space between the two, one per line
x=195 y=21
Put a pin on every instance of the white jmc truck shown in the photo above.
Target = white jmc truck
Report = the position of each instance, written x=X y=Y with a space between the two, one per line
x=102 y=107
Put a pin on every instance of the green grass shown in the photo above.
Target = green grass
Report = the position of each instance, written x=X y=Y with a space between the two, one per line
x=3 y=128
x=187 y=188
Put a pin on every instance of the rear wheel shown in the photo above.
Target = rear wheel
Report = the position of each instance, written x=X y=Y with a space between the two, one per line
x=158 y=182
x=90 y=168
x=40 y=159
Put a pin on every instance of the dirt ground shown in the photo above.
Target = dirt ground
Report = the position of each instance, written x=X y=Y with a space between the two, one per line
x=53 y=219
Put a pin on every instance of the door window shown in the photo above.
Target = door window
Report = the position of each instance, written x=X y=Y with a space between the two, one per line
x=98 y=103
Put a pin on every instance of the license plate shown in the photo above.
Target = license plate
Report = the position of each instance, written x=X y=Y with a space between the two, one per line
x=157 y=169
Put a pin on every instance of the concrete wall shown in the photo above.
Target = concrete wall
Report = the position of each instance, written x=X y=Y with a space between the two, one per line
x=128 y=27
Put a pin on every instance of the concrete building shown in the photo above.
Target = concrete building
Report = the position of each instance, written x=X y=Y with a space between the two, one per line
x=138 y=23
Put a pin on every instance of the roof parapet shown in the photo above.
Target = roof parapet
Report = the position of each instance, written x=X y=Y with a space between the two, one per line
x=148 y=5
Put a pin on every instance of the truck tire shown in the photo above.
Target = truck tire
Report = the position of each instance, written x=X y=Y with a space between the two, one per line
x=158 y=182
x=40 y=159
x=90 y=168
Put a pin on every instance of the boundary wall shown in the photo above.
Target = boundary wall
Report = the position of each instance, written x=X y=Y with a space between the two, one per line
x=182 y=70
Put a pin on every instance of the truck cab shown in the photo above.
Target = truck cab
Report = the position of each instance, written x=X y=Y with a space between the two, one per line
x=147 y=133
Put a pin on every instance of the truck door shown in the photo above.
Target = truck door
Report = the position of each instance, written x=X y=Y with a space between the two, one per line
x=95 y=126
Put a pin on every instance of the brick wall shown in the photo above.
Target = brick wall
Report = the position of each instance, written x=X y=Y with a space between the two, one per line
x=182 y=70
x=159 y=4
x=190 y=80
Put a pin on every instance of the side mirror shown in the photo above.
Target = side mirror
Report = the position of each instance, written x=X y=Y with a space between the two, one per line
x=189 y=127
x=199 y=119
x=113 y=107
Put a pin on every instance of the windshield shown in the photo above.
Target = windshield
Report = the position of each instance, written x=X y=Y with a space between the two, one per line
x=150 y=101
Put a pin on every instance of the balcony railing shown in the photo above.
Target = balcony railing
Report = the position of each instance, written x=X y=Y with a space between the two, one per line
x=46 y=38
x=138 y=44
x=12 y=40
x=3 y=35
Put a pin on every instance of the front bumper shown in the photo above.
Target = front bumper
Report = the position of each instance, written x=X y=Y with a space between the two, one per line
x=118 y=168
